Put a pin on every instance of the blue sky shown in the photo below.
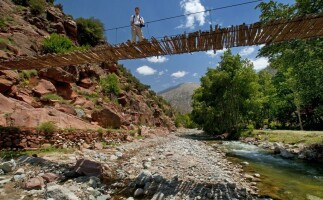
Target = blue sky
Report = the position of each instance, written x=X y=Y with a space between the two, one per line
x=163 y=72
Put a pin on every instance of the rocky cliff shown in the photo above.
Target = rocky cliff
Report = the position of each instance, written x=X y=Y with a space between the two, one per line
x=180 y=96
x=70 y=97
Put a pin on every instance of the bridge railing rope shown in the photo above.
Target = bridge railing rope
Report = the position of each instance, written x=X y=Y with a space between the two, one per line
x=216 y=38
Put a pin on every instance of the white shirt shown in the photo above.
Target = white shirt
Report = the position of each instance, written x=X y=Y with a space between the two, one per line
x=138 y=20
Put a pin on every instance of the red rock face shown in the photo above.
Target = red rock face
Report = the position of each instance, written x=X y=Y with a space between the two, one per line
x=107 y=118
x=58 y=74
x=44 y=87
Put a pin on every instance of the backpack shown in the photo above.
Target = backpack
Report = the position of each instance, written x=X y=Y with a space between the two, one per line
x=140 y=20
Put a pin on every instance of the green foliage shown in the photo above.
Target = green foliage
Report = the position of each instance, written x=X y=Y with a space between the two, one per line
x=27 y=74
x=110 y=84
x=228 y=96
x=47 y=127
x=184 y=121
x=54 y=97
x=3 y=23
x=37 y=7
x=60 y=44
x=90 y=31
x=298 y=82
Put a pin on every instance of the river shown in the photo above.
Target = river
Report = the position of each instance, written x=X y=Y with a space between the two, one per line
x=280 y=178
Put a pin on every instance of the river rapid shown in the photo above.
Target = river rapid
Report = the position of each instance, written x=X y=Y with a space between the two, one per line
x=280 y=178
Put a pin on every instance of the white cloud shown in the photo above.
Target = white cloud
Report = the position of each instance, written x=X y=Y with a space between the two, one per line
x=161 y=73
x=195 y=74
x=247 y=51
x=146 y=70
x=211 y=53
x=260 y=63
x=157 y=59
x=193 y=6
x=179 y=74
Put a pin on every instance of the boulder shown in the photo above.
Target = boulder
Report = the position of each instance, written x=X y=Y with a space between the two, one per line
x=54 y=14
x=86 y=83
x=88 y=168
x=58 y=74
x=66 y=109
x=5 y=85
x=8 y=166
x=26 y=98
x=44 y=87
x=92 y=71
x=35 y=183
x=110 y=67
x=10 y=75
x=65 y=90
x=71 y=29
x=50 y=177
x=107 y=118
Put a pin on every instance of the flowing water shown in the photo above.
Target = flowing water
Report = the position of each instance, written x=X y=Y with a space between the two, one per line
x=280 y=178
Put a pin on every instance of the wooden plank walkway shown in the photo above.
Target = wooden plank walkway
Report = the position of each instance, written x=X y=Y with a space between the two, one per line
x=215 y=39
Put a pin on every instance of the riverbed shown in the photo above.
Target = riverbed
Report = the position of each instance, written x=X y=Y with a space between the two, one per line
x=280 y=178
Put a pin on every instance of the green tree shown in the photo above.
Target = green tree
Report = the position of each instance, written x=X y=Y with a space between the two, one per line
x=90 y=31
x=228 y=97
x=299 y=64
x=267 y=100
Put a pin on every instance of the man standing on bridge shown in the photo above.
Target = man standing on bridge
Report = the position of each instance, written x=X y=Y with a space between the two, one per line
x=137 y=22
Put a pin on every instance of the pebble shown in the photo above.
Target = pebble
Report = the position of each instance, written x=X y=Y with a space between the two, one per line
x=118 y=154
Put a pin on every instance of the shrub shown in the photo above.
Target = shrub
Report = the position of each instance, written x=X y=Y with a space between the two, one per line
x=37 y=6
x=27 y=74
x=47 y=127
x=90 y=31
x=110 y=84
x=3 y=23
x=59 y=44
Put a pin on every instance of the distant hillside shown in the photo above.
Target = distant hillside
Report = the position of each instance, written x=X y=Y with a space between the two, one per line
x=180 y=96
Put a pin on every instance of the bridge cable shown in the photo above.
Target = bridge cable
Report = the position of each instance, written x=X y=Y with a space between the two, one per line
x=193 y=13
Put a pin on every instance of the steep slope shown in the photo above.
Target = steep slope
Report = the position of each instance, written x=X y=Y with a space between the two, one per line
x=180 y=96
x=100 y=95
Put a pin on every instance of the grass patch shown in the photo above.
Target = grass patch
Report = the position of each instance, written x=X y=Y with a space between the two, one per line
x=8 y=154
x=54 y=97
x=289 y=137
x=47 y=127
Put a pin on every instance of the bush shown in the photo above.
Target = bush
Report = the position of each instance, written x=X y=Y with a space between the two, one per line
x=37 y=7
x=110 y=84
x=27 y=74
x=3 y=23
x=90 y=31
x=60 y=44
x=47 y=127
